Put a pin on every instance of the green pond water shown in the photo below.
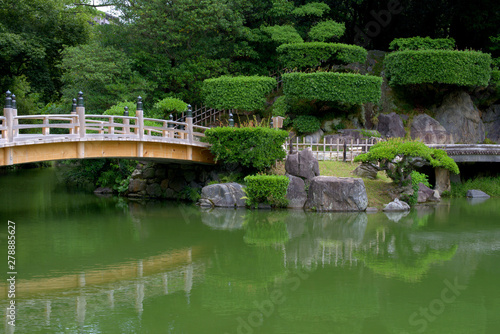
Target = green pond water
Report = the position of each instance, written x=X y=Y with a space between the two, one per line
x=87 y=264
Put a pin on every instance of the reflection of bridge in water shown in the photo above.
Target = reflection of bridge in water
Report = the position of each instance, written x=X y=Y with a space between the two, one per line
x=86 y=294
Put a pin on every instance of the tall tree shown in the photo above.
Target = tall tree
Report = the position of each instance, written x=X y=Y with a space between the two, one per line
x=33 y=34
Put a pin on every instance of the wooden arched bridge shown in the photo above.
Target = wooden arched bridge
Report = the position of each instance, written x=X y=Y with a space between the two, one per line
x=78 y=135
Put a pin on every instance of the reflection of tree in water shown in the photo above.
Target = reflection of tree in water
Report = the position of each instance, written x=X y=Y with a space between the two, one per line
x=390 y=252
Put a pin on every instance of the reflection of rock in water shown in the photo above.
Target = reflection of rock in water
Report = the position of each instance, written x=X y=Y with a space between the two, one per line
x=396 y=216
x=323 y=238
x=223 y=219
x=475 y=201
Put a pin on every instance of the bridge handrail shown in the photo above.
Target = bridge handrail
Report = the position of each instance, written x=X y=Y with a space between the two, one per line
x=13 y=127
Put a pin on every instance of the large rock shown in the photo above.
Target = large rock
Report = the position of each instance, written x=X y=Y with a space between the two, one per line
x=474 y=193
x=491 y=120
x=315 y=137
x=302 y=164
x=459 y=116
x=296 y=192
x=330 y=193
x=390 y=125
x=224 y=195
x=397 y=205
x=367 y=170
x=426 y=194
x=429 y=130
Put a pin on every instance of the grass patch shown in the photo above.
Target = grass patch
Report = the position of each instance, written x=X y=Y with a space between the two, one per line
x=490 y=185
x=376 y=190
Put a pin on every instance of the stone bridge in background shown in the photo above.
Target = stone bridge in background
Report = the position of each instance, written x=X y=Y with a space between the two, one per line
x=471 y=152
x=35 y=138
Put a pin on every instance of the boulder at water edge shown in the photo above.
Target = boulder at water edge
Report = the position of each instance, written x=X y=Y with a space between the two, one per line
x=474 y=193
x=223 y=195
x=296 y=192
x=397 y=205
x=330 y=193
x=426 y=194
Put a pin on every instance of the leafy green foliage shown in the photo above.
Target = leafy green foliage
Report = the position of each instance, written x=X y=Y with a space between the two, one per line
x=399 y=153
x=422 y=43
x=326 y=30
x=313 y=54
x=416 y=179
x=104 y=74
x=267 y=189
x=32 y=35
x=281 y=107
x=283 y=34
x=462 y=68
x=306 y=124
x=490 y=185
x=163 y=108
x=119 y=108
x=312 y=9
x=328 y=86
x=257 y=148
x=242 y=93
x=113 y=173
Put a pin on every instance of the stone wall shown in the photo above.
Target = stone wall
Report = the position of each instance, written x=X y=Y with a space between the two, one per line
x=169 y=181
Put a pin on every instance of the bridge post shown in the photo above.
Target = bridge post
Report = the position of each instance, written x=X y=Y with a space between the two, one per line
x=189 y=121
x=7 y=112
x=15 y=121
x=140 y=118
x=80 y=110
x=74 y=129
x=126 y=121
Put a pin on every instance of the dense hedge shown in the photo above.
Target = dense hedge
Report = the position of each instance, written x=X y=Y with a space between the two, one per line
x=267 y=189
x=463 y=68
x=257 y=148
x=328 y=86
x=313 y=54
x=422 y=43
x=242 y=93
x=306 y=124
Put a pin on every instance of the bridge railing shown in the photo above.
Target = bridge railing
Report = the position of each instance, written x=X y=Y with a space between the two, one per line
x=76 y=125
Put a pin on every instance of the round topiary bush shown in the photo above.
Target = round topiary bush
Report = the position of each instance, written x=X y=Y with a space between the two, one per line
x=306 y=124
x=169 y=105
x=242 y=93
x=462 y=68
x=331 y=86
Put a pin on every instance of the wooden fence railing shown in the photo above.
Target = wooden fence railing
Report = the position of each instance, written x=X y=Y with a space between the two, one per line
x=341 y=149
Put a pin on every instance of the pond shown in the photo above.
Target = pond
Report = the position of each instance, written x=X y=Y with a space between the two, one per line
x=86 y=264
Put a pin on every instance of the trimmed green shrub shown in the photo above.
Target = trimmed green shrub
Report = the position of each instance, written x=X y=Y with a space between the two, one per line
x=495 y=77
x=313 y=54
x=280 y=106
x=168 y=105
x=422 y=43
x=267 y=189
x=386 y=152
x=328 y=86
x=257 y=147
x=462 y=68
x=283 y=34
x=326 y=30
x=312 y=8
x=242 y=93
x=306 y=124
x=417 y=178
